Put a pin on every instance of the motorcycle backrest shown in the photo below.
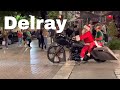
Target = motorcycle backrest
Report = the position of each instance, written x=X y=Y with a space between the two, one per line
x=103 y=53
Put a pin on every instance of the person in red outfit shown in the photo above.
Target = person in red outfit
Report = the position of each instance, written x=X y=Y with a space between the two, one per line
x=87 y=38
x=20 y=36
x=99 y=42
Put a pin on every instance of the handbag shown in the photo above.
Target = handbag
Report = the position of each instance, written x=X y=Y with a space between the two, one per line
x=3 y=43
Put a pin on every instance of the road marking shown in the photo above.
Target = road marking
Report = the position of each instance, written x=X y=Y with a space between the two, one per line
x=117 y=73
x=65 y=70
x=118 y=76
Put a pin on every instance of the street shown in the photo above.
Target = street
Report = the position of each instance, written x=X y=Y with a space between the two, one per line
x=20 y=63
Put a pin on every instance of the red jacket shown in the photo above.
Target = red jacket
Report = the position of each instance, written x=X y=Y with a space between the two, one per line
x=87 y=37
x=19 y=35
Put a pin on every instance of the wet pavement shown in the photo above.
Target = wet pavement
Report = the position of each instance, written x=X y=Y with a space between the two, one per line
x=21 y=63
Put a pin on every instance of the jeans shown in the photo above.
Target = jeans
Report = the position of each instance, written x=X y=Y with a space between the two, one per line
x=29 y=40
x=6 y=43
x=19 y=41
x=41 y=42
x=45 y=42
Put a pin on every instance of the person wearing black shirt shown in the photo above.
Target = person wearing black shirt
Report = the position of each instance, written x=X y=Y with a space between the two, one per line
x=94 y=32
x=11 y=36
x=52 y=34
x=76 y=30
x=69 y=32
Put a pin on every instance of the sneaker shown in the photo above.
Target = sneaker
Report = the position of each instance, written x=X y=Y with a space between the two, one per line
x=77 y=62
x=25 y=45
x=99 y=46
x=82 y=61
x=30 y=47
x=88 y=54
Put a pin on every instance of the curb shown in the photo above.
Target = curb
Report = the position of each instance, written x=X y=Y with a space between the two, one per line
x=117 y=73
x=65 y=71
x=117 y=70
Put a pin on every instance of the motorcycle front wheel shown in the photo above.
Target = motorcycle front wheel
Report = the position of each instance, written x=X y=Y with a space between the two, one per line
x=56 y=54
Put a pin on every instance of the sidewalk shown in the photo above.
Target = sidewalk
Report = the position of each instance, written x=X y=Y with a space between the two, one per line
x=33 y=64
x=91 y=70
x=16 y=63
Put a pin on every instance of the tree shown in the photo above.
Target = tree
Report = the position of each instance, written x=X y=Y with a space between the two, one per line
x=112 y=30
x=3 y=14
x=53 y=14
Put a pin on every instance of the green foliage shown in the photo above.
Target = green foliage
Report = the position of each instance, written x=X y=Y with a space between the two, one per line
x=114 y=44
x=112 y=30
x=16 y=14
x=53 y=14
x=5 y=13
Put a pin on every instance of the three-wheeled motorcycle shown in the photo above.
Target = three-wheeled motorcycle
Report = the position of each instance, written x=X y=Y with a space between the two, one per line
x=56 y=52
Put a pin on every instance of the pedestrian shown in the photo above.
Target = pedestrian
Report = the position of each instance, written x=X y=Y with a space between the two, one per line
x=69 y=31
x=1 y=38
x=104 y=30
x=38 y=37
x=52 y=34
x=20 y=38
x=76 y=30
x=11 y=36
x=5 y=38
x=93 y=31
x=24 y=38
x=41 y=39
x=29 y=40
x=45 y=35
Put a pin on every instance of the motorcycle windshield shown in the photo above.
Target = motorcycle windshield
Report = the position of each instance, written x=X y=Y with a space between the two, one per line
x=103 y=53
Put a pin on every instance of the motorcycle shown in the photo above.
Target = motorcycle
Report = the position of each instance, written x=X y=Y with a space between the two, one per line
x=100 y=54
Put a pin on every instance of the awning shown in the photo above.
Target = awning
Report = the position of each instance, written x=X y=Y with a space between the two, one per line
x=112 y=13
x=88 y=15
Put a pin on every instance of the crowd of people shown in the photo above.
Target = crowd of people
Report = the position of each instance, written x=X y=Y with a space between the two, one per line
x=24 y=38
x=7 y=37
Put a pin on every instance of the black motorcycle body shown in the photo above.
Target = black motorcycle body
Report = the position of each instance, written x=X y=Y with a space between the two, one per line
x=98 y=54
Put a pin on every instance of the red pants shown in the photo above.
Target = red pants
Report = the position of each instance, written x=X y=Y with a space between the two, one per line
x=92 y=45
x=88 y=48
x=84 y=50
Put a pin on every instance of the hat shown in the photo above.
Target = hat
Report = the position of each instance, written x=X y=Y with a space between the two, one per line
x=98 y=27
x=87 y=27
